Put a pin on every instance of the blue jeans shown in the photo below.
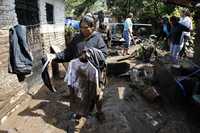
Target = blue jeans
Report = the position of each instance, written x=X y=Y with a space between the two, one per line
x=127 y=38
x=175 y=50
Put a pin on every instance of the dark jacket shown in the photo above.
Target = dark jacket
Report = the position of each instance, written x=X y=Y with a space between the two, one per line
x=97 y=58
x=79 y=43
x=20 y=61
x=176 y=32
x=162 y=33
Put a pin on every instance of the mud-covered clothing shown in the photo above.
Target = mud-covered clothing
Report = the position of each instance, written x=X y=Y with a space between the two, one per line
x=45 y=74
x=83 y=78
x=20 y=58
x=79 y=43
x=90 y=92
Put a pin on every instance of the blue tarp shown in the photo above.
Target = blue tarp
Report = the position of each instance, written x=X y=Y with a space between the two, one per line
x=73 y=23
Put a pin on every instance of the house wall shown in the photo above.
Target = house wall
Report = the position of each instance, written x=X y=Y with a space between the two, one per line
x=53 y=34
x=40 y=37
x=7 y=13
x=7 y=19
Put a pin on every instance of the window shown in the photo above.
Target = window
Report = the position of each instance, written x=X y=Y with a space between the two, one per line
x=49 y=13
x=27 y=12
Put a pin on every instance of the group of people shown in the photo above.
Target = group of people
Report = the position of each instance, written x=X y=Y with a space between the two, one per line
x=90 y=44
x=176 y=32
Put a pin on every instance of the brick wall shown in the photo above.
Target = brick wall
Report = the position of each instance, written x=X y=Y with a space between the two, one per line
x=55 y=38
x=40 y=44
x=7 y=13
x=9 y=82
x=39 y=37
x=58 y=13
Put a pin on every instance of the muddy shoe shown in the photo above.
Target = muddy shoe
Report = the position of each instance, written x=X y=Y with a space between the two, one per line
x=100 y=117
x=80 y=124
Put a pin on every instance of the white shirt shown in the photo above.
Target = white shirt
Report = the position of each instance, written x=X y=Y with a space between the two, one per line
x=186 y=21
x=128 y=25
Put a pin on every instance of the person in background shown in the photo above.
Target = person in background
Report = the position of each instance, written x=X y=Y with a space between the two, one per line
x=164 y=31
x=86 y=39
x=186 y=21
x=127 y=33
x=175 y=37
x=106 y=33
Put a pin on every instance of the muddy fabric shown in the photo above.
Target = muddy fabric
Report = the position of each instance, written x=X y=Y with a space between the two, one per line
x=45 y=75
x=20 y=59
x=84 y=79
x=97 y=58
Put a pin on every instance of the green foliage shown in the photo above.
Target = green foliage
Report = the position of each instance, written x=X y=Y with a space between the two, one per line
x=176 y=12
x=142 y=9
x=80 y=7
x=70 y=6
x=166 y=9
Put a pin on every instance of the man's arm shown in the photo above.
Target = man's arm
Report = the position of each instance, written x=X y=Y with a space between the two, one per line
x=66 y=55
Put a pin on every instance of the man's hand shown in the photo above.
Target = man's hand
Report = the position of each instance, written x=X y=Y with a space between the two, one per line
x=51 y=56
